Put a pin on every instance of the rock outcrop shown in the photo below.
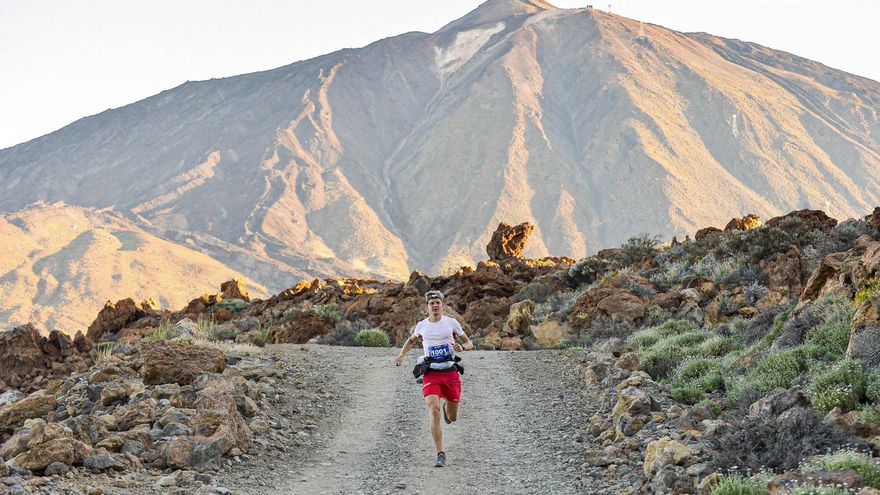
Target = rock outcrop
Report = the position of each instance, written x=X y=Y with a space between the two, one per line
x=509 y=242
x=28 y=360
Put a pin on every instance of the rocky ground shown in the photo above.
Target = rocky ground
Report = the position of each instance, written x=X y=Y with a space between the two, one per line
x=347 y=421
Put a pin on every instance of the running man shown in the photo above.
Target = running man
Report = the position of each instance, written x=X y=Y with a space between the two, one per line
x=438 y=333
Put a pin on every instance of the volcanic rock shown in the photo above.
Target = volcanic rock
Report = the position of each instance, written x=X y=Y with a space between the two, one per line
x=235 y=289
x=747 y=222
x=170 y=362
x=509 y=242
x=28 y=360
x=114 y=317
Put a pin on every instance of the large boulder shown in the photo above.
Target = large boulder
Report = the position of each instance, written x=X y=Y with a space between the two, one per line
x=551 y=332
x=519 y=318
x=28 y=360
x=50 y=443
x=235 y=289
x=706 y=232
x=170 y=362
x=808 y=220
x=622 y=306
x=509 y=242
x=864 y=337
x=747 y=222
x=825 y=274
x=298 y=329
x=664 y=452
x=784 y=273
x=35 y=406
x=114 y=317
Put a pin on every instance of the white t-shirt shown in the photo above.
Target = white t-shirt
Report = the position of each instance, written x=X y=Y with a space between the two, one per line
x=437 y=338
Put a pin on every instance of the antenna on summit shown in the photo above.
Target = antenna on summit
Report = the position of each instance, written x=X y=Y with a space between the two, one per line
x=609 y=8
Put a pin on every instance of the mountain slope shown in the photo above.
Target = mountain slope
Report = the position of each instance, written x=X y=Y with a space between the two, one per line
x=405 y=154
x=59 y=264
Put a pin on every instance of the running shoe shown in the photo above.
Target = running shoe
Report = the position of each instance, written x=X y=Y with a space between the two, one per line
x=441 y=459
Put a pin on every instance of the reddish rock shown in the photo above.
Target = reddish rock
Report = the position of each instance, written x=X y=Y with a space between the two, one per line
x=669 y=301
x=608 y=254
x=28 y=360
x=784 y=273
x=622 y=306
x=37 y=406
x=828 y=269
x=302 y=326
x=201 y=304
x=747 y=222
x=114 y=317
x=852 y=422
x=509 y=242
x=235 y=289
x=50 y=443
x=170 y=362
x=706 y=232
x=628 y=361
x=809 y=220
x=871 y=258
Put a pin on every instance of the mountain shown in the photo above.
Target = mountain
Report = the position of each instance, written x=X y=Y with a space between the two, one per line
x=61 y=263
x=407 y=153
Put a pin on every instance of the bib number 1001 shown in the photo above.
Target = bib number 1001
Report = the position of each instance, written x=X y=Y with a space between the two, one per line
x=438 y=351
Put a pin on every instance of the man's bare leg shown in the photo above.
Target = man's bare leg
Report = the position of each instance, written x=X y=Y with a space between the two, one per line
x=433 y=403
x=451 y=410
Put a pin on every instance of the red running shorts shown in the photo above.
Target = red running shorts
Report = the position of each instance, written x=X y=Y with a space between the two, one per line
x=446 y=384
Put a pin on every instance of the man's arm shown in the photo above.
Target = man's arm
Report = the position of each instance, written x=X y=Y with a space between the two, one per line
x=466 y=344
x=406 y=347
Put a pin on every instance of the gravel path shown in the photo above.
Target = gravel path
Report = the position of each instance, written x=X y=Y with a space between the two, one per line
x=520 y=430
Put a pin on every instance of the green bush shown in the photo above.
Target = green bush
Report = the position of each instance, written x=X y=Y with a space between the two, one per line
x=777 y=369
x=586 y=271
x=863 y=464
x=372 y=337
x=842 y=386
x=872 y=386
x=739 y=485
x=330 y=313
x=224 y=331
x=701 y=374
x=869 y=413
x=672 y=348
x=637 y=248
x=717 y=346
x=650 y=336
x=233 y=305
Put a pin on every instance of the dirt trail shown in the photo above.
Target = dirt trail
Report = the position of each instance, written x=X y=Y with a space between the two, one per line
x=521 y=415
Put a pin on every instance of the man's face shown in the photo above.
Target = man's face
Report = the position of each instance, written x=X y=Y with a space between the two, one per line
x=435 y=307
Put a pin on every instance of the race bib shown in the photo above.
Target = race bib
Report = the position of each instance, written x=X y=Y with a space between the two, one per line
x=439 y=351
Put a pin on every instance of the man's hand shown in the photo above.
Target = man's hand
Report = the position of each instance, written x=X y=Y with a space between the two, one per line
x=457 y=347
x=399 y=360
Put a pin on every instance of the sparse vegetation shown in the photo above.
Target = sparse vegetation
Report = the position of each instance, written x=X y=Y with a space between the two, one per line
x=861 y=463
x=102 y=352
x=841 y=386
x=736 y=484
x=233 y=305
x=372 y=337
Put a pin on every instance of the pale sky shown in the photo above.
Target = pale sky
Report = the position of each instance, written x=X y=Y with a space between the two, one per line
x=61 y=60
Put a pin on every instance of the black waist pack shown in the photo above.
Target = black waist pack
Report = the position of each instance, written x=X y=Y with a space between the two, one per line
x=425 y=366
